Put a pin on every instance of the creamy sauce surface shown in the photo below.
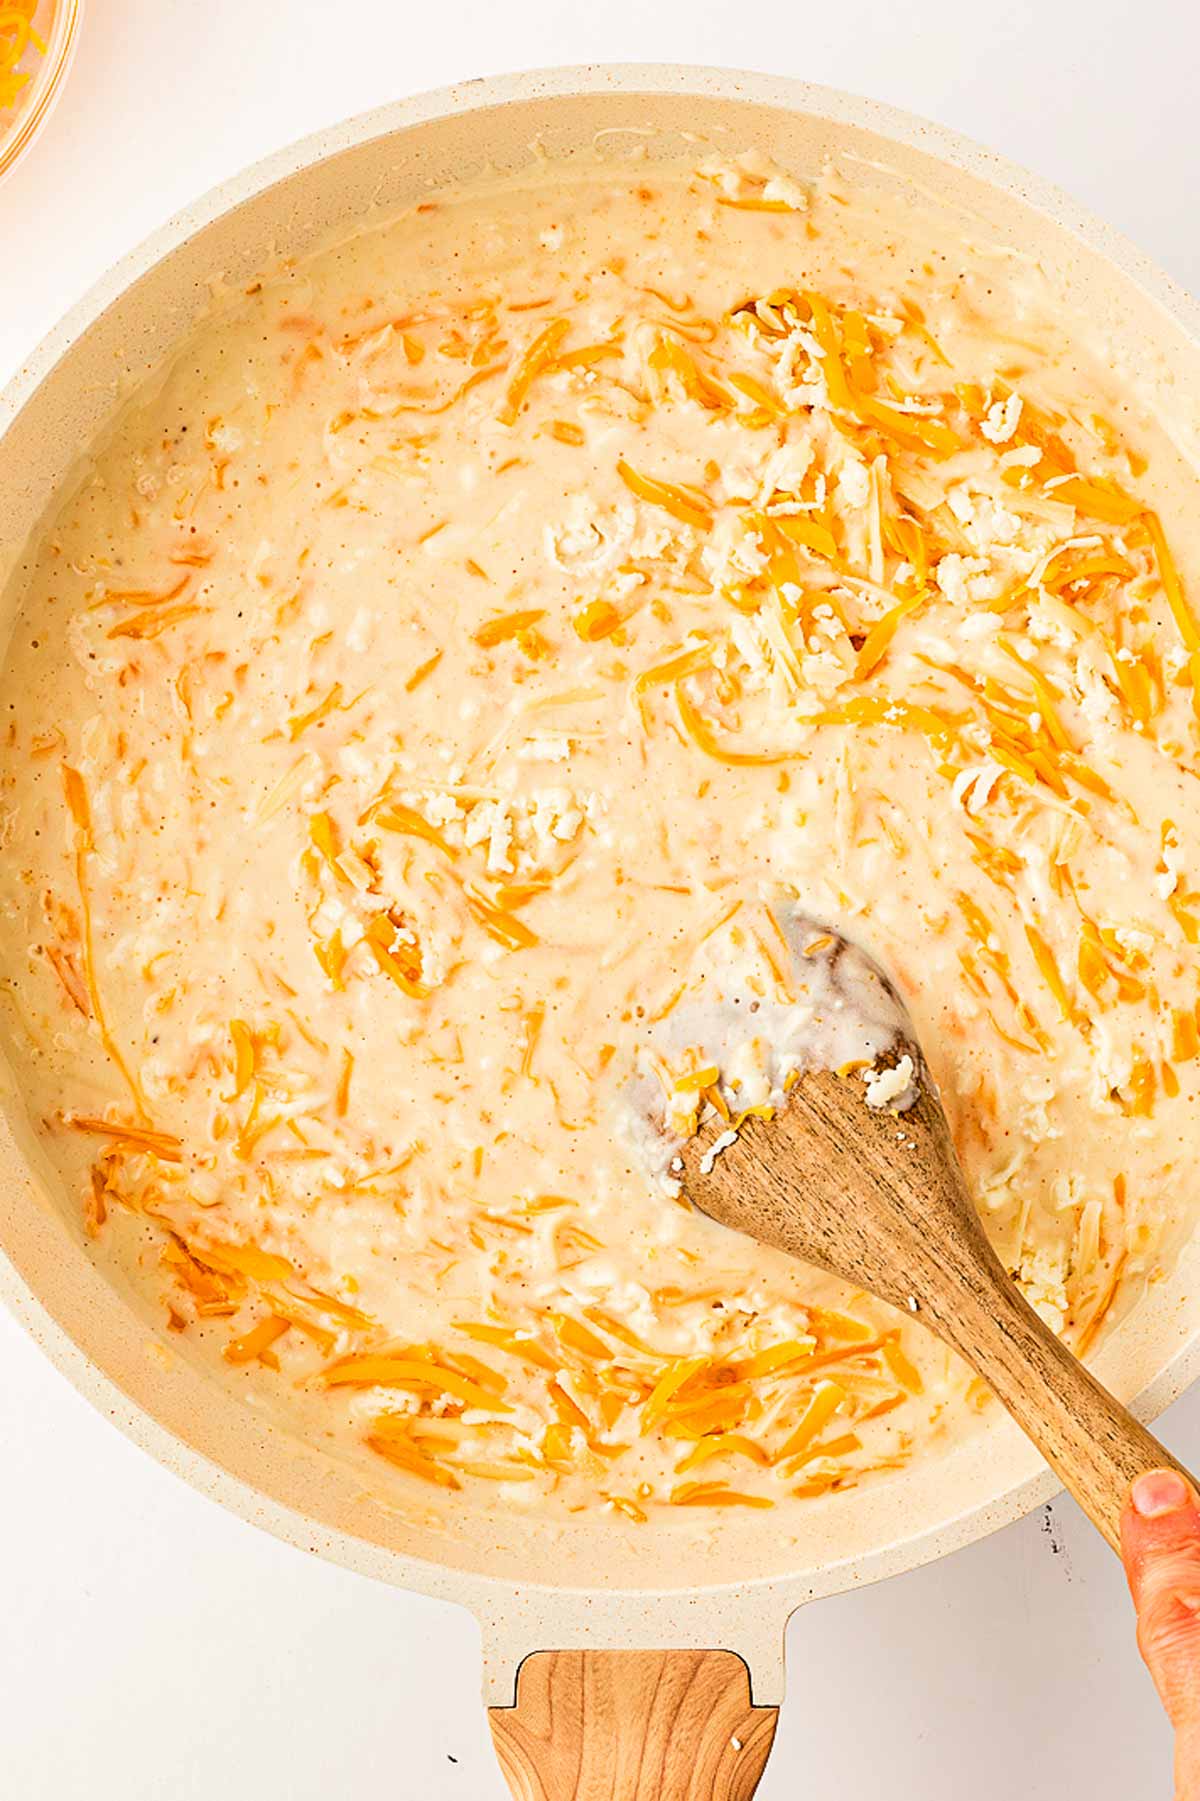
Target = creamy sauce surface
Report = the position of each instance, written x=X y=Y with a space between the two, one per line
x=414 y=718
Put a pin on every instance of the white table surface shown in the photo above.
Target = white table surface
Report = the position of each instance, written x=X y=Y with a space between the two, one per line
x=153 y=1647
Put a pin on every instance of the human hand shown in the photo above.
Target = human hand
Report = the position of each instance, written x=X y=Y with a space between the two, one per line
x=1160 y=1544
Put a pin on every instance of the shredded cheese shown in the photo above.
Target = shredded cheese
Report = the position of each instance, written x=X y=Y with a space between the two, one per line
x=405 y=754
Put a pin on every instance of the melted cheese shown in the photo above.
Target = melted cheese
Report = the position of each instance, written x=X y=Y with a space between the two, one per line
x=438 y=673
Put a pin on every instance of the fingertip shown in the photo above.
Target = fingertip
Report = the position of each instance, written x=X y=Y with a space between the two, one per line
x=1160 y=1522
x=1159 y=1493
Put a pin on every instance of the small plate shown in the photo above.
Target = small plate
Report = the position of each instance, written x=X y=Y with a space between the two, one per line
x=20 y=124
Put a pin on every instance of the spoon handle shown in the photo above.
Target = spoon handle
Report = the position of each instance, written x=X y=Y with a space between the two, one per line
x=1091 y=1441
x=884 y=1204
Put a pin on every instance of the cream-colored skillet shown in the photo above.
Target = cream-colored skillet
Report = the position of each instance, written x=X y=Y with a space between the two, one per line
x=682 y=1723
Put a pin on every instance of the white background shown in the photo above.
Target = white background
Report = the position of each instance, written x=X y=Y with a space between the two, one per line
x=154 y=1648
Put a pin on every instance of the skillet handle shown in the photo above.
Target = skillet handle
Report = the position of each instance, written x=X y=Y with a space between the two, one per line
x=633 y=1726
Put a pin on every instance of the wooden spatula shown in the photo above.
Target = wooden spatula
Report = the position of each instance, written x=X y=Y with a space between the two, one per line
x=877 y=1196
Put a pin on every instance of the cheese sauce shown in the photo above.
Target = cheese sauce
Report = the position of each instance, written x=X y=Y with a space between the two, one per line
x=441 y=671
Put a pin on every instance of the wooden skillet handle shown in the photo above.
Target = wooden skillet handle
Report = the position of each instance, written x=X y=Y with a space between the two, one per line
x=633 y=1726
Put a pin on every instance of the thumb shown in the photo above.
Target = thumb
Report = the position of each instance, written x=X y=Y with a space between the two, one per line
x=1160 y=1545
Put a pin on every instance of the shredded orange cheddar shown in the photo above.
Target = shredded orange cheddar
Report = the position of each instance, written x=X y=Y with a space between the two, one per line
x=711 y=1494
x=684 y=504
x=300 y=722
x=826 y=1400
x=393 y=1442
x=256 y=1343
x=401 y=1372
x=598 y=619
x=159 y=1144
x=506 y=626
x=538 y=357
x=675 y=1377
x=400 y=961
x=526 y=643
x=503 y=926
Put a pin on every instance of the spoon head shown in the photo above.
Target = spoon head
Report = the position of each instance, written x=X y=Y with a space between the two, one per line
x=850 y=1165
x=830 y=1006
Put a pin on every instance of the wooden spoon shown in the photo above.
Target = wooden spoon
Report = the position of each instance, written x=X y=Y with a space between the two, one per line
x=877 y=1196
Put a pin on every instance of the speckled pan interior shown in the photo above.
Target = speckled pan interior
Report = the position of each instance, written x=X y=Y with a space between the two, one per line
x=534 y=1584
